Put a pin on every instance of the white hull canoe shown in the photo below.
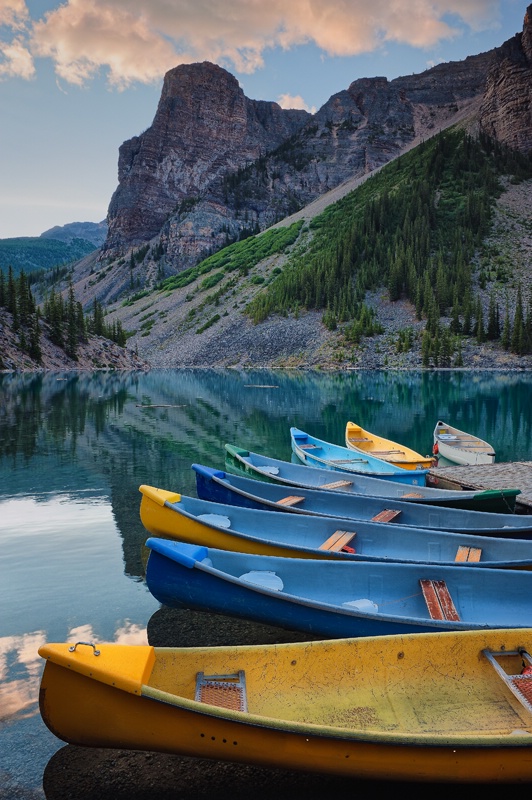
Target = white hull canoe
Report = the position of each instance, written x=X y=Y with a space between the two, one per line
x=460 y=447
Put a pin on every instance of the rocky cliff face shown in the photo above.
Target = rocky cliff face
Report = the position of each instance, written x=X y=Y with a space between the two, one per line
x=506 y=110
x=204 y=128
x=215 y=165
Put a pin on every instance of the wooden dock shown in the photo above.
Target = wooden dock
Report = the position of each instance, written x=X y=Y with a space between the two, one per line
x=506 y=475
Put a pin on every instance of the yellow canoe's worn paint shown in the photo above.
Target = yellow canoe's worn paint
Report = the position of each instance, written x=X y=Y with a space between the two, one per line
x=358 y=439
x=419 y=707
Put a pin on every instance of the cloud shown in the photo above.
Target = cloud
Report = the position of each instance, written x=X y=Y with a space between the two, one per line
x=139 y=40
x=16 y=60
x=13 y=14
x=294 y=101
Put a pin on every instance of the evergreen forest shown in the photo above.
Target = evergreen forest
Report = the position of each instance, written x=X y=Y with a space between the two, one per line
x=417 y=228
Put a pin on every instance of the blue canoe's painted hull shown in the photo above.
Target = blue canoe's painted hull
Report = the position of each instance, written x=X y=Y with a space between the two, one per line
x=222 y=487
x=311 y=595
x=318 y=453
x=274 y=470
x=247 y=530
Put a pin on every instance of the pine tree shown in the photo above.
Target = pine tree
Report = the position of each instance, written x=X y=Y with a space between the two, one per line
x=71 y=345
x=518 y=335
x=479 y=324
x=34 y=347
x=493 y=320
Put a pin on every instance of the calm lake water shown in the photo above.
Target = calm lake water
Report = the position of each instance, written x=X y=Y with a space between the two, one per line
x=74 y=449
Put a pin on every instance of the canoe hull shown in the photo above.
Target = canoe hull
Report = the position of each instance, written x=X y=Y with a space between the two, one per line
x=460 y=447
x=264 y=532
x=362 y=441
x=258 y=467
x=315 y=452
x=220 y=487
x=336 y=599
x=178 y=587
x=85 y=712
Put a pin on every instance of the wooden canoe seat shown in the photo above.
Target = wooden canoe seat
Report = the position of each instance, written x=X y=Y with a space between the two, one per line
x=358 y=439
x=387 y=515
x=291 y=500
x=438 y=600
x=309 y=446
x=412 y=494
x=465 y=553
x=225 y=691
x=338 y=541
x=387 y=452
x=335 y=485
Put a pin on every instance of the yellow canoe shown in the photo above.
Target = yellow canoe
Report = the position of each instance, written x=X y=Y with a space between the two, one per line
x=444 y=707
x=361 y=440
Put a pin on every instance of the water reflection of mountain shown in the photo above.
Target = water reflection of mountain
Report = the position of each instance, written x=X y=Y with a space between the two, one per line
x=118 y=430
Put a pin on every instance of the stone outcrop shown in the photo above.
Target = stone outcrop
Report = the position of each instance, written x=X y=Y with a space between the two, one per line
x=204 y=128
x=506 y=110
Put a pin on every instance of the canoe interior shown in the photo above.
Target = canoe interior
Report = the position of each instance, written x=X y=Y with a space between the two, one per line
x=428 y=687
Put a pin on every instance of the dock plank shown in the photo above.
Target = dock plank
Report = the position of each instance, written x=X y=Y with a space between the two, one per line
x=503 y=475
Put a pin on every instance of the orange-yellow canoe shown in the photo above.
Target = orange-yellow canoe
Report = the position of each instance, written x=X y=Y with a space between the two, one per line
x=361 y=440
x=437 y=707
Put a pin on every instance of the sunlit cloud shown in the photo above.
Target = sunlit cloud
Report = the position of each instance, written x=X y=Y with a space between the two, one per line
x=13 y=14
x=137 y=41
x=16 y=60
x=294 y=101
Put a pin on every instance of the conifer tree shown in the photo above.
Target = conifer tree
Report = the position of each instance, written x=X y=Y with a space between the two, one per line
x=517 y=343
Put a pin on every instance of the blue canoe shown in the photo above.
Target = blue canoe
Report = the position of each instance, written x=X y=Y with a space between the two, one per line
x=335 y=599
x=222 y=487
x=274 y=470
x=317 y=453
x=247 y=530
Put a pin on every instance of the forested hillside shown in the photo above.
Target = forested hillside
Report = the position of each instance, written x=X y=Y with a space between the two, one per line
x=417 y=228
x=416 y=235
x=37 y=254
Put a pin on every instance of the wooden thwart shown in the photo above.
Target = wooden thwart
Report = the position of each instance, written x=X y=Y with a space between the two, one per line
x=308 y=446
x=338 y=540
x=387 y=515
x=465 y=553
x=438 y=600
x=291 y=500
x=335 y=484
x=412 y=494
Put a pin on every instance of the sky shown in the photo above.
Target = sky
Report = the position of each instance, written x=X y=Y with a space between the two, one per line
x=79 y=77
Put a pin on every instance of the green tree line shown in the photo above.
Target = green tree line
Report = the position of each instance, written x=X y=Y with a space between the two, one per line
x=67 y=325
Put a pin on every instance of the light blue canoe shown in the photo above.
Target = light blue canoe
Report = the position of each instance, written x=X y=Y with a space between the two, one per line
x=274 y=470
x=316 y=452
x=222 y=487
x=334 y=598
x=169 y=515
